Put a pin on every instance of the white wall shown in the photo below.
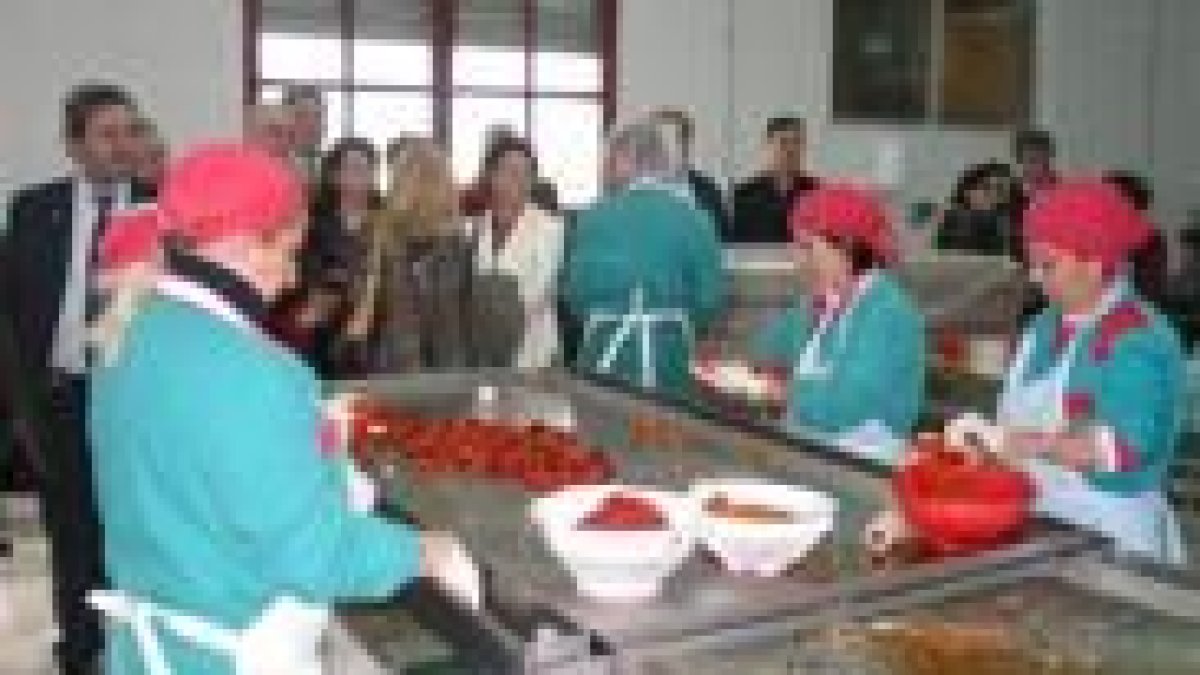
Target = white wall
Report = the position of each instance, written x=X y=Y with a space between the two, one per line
x=181 y=58
x=1175 y=136
x=1116 y=81
x=1094 y=84
x=772 y=57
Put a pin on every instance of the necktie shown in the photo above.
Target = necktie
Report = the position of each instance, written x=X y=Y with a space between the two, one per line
x=105 y=200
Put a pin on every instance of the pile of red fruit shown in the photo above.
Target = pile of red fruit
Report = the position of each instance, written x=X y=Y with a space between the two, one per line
x=538 y=457
x=622 y=511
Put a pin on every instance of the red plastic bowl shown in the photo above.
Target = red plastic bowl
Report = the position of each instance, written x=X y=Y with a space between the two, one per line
x=964 y=509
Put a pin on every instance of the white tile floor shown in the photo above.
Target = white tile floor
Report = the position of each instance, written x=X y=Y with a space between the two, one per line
x=26 y=624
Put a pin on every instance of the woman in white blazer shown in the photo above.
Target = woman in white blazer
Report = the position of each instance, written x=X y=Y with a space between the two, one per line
x=518 y=238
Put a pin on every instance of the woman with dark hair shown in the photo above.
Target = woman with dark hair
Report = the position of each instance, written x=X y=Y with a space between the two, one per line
x=979 y=218
x=475 y=199
x=855 y=347
x=336 y=245
x=519 y=243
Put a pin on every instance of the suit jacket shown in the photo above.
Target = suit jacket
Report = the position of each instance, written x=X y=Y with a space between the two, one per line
x=37 y=251
x=709 y=198
x=22 y=404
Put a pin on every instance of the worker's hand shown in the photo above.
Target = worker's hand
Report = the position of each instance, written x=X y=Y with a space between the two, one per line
x=885 y=532
x=1021 y=445
x=777 y=378
x=1075 y=451
x=446 y=562
x=362 y=492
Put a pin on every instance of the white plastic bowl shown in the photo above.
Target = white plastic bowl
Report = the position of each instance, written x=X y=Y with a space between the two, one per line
x=615 y=565
x=764 y=549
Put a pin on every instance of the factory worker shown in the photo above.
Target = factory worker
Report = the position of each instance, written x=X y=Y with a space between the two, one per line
x=228 y=536
x=853 y=348
x=1092 y=400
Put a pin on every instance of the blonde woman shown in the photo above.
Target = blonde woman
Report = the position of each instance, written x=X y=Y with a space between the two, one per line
x=413 y=301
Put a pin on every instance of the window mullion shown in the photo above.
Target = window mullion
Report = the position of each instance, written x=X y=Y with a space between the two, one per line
x=443 y=14
x=937 y=62
x=529 y=21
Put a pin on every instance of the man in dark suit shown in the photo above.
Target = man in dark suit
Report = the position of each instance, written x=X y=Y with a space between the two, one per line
x=761 y=205
x=50 y=296
x=22 y=413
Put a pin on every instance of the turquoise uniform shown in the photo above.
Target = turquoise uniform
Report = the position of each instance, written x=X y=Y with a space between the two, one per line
x=1134 y=383
x=214 y=495
x=1119 y=372
x=644 y=277
x=869 y=364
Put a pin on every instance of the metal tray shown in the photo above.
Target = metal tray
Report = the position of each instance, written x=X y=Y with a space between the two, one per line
x=534 y=621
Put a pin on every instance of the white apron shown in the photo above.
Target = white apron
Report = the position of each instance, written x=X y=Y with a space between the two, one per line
x=872 y=439
x=284 y=639
x=638 y=324
x=1142 y=524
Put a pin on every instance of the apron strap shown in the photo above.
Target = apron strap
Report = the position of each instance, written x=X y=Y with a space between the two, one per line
x=643 y=321
x=808 y=363
x=140 y=615
x=1018 y=373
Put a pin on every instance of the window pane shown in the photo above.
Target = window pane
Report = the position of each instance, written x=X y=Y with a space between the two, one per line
x=299 y=57
x=568 y=46
x=986 y=76
x=300 y=40
x=567 y=135
x=393 y=63
x=490 y=43
x=392 y=43
x=382 y=116
x=489 y=67
x=881 y=59
x=473 y=117
x=560 y=71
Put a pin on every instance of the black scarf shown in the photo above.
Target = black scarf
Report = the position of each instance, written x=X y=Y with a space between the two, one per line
x=239 y=293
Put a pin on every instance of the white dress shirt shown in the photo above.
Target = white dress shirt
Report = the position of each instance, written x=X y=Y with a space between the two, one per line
x=69 y=353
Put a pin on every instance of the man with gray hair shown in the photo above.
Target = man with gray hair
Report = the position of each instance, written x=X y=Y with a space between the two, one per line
x=644 y=276
x=640 y=151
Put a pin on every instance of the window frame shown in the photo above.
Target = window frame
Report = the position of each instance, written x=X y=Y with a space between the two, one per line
x=441 y=90
x=935 y=113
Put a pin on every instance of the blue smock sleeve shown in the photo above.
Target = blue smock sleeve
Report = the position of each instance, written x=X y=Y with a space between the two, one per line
x=288 y=509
